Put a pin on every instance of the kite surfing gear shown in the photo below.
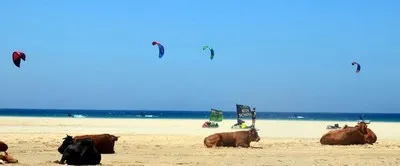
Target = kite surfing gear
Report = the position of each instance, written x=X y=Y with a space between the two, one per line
x=17 y=56
x=211 y=51
x=358 y=66
x=160 y=49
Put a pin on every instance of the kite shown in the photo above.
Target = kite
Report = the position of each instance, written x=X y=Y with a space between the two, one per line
x=211 y=51
x=17 y=56
x=358 y=66
x=160 y=49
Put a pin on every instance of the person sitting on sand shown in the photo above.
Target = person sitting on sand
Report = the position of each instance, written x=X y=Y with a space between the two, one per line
x=239 y=122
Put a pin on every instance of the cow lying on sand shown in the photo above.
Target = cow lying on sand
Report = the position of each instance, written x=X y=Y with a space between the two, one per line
x=81 y=152
x=232 y=139
x=3 y=146
x=104 y=143
x=6 y=158
x=360 y=134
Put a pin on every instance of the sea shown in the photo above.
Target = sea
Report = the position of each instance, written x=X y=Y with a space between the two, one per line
x=170 y=114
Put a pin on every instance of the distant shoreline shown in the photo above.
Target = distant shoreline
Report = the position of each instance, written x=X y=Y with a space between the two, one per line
x=201 y=115
x=149 y=110
x=247 y=120
x=192 y=120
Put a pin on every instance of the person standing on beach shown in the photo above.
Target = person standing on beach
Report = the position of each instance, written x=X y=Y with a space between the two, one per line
x=253 y=118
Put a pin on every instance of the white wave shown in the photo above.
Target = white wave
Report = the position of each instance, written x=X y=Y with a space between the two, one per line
x=78 y=116
x=146 y=116
x=296 y=117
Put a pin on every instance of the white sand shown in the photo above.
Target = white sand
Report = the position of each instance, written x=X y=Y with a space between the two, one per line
x=34 y=141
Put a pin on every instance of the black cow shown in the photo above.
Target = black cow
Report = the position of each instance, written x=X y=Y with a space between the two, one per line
x=104 y=143
x=81 y=152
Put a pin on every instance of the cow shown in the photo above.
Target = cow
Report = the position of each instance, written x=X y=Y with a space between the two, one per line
x=3 y=146
x=232 y=139
x=104 y=142
x=359 y=134
x=6 y=158
x=81 y=152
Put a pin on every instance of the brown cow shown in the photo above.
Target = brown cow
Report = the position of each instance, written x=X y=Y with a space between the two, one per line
x=104 y=143
x=3 y=147
x=360 y=134
x=5 y=157
x=232 y=139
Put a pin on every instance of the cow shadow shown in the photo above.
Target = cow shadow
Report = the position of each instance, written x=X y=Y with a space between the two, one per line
x=58 y=162
x=256 y=147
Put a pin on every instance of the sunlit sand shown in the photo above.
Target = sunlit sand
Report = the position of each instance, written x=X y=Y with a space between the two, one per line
x=34 y=141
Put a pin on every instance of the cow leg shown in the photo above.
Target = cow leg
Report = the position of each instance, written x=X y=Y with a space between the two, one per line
x=242 y=144
x=212 y=141
x=64 y=158
x=219 y=143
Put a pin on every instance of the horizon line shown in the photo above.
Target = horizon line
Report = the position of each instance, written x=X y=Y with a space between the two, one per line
x=155 y=110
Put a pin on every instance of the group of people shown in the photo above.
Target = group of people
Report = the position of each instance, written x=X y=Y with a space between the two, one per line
x=253 y=119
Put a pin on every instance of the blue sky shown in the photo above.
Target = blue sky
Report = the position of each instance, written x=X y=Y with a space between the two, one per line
x=274 y=55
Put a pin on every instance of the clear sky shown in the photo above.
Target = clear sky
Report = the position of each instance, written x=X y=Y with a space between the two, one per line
x=282 y=55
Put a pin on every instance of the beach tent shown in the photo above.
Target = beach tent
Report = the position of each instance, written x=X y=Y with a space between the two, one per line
x=242 y=111
x=215 y=116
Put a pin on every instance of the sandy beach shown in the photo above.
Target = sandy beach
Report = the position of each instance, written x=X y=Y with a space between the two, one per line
x=34 y=141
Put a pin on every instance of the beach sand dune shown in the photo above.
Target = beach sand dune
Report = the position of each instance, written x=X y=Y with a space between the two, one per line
x=34 y=141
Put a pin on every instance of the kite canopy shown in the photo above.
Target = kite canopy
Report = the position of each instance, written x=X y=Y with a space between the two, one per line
x=160 y=49
x=17 y=56
x=211 y=51
x=358 y=66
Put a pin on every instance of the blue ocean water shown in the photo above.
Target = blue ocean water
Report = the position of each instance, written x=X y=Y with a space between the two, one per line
x=374 y=117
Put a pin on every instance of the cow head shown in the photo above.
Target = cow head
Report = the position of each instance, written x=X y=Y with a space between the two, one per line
x=114 y=138
x=369 y=135
x=8 y=158
x=3 y=146
x=68 y=140
x=253 y=134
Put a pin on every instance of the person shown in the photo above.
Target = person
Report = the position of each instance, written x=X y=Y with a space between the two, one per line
x=253 y=118
x=361 y=117
x=239 y=122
